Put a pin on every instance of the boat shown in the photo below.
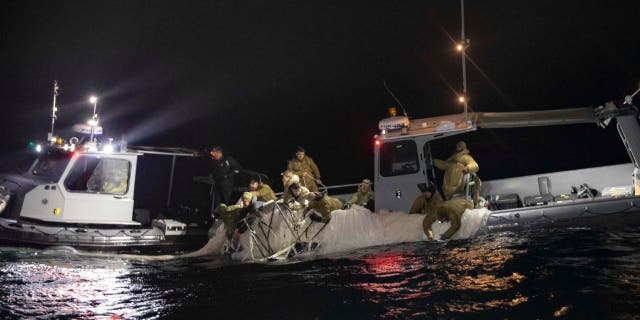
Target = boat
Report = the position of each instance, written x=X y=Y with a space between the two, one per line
x=80 y=193
x=607 y=195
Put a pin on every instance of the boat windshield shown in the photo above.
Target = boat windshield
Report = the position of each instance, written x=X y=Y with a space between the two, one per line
x=51 y=165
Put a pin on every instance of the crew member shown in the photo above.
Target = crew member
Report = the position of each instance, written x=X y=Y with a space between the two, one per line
x=306 y=169
x=455 y=167
x=451 y=211
x=262 y=191
x=224 y=169
x=232 y=215
x=289 y=178
x=322 y=204
x=297 y=196
x=428 y=201
x=364 y=197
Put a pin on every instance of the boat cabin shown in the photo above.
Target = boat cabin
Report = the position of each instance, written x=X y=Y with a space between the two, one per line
x=93 y=187
x=86 y=186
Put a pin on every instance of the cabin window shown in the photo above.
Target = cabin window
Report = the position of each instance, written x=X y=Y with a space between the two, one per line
x=51 y=165
x=398 y=158
x=99 y=175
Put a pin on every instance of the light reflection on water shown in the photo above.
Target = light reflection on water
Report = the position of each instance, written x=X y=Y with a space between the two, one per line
x=62 y=286
x=399 y=275
x=571 y=274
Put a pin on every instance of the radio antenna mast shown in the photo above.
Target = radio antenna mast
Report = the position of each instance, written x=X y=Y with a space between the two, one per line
x=54 y=108
x=462 y=47
x=394 y=97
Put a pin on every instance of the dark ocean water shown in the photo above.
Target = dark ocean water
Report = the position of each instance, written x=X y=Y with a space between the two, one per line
x=541 y=274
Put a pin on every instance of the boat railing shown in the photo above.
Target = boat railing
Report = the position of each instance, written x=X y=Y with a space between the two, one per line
x=333 y=187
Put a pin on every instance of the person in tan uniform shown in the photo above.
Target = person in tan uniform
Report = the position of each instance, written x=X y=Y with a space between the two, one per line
x=305 y=168
x=288 y=178
x=451 y=211
x=232 y=215
x=428 y=201
x=324 y=205
x=318 y=201
x=262 y=191
x=364 y=197
x=455 y=167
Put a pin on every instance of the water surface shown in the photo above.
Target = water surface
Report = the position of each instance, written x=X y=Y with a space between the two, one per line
x=541 y=274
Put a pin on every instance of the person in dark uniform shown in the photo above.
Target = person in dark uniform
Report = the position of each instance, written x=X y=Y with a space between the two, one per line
x=223 y=170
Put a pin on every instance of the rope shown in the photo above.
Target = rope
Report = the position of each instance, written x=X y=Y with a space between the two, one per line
x=285 y=220
x=252 y=233
x=317 y=233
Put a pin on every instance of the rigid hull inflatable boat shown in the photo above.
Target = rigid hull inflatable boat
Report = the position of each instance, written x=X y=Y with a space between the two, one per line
x=79 y=192
x=611 y=193
x=85 y=199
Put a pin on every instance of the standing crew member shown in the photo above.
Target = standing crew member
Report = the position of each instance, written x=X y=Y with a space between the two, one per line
x=224 y=168
x=306 y=169
x=262 y=191
x=364 y=197
x=428 y=201
x=450 y=210
x=459 y=163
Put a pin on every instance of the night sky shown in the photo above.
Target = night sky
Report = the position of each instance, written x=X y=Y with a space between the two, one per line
x=262 y=77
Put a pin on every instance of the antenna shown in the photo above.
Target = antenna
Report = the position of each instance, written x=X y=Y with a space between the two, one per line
x=54 y=108
x=394 y=97
x=463 y=47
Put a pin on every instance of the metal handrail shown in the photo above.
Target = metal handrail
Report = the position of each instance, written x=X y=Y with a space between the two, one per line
x=331 y=187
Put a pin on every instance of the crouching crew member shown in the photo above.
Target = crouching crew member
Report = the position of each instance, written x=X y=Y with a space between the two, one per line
x=450 y=210
x=233 y=215
x=364 y=197
x=262 y=191
x=322 y=204
x=428 y=201
x=296 y=196
x=289 y=178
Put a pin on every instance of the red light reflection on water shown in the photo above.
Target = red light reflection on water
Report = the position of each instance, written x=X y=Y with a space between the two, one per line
x=390 y=263
x=393 y=277
x=392 y=274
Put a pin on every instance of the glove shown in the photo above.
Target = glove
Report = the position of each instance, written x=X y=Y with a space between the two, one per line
x=314 y=216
